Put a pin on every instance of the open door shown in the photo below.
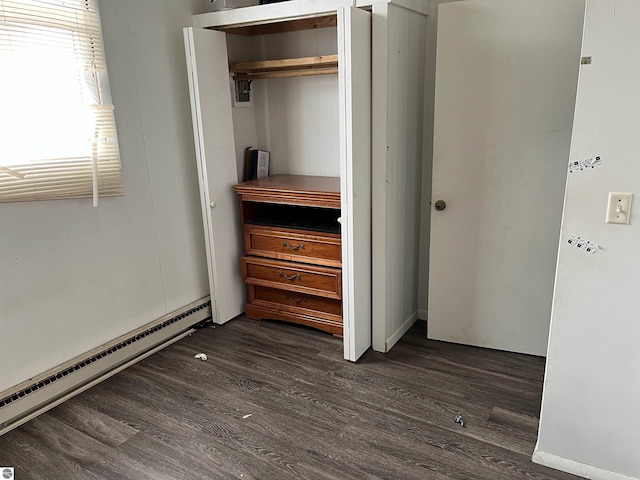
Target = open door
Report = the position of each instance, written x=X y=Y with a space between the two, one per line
x=207 y=67
x=354 y=73
x=504 y=105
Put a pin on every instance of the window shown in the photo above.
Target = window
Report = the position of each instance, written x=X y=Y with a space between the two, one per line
x=57 y=124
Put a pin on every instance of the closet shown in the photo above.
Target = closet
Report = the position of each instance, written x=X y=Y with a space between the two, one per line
x=336 y=90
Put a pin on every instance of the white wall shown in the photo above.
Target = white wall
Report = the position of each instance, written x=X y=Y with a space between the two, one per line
x=73 y=277
x=297 y=117
x=591 y=390
x=241 y=48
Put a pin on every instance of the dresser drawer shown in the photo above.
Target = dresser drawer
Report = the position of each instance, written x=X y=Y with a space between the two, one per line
x=295 y=277
x=295 y=302
x=320 y=249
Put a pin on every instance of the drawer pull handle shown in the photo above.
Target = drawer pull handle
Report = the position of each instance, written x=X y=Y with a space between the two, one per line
x=297 y=247
x=297 y=299
x=295 y=277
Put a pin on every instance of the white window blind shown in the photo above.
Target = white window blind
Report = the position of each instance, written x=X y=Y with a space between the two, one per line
x=57 y=125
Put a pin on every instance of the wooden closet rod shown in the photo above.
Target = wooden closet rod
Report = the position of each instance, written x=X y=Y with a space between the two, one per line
x=290 y=67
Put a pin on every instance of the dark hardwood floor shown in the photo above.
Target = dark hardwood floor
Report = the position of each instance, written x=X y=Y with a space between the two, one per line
x=276 y=401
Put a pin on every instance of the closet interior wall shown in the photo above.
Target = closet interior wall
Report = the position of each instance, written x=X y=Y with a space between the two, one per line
x=294 y=118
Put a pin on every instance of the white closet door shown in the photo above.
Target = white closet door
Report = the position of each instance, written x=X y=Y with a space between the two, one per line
x=208 y=71
x=354 y=71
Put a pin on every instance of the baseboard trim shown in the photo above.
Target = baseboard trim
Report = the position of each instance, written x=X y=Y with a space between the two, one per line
x=39 y=394
x=575 y=468
x=422 y=314
x=397 y=335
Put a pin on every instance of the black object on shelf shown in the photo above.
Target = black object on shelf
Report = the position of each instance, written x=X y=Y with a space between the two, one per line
x=263 y=2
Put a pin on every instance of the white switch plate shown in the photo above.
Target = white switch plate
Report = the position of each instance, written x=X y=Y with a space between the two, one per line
x=619 y=208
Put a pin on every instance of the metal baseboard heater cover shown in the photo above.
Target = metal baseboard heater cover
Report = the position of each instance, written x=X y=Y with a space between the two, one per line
x=29 y=399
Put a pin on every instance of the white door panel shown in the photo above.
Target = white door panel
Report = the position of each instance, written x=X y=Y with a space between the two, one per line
x=354 y=50
x=505 y=94
x=207 y=67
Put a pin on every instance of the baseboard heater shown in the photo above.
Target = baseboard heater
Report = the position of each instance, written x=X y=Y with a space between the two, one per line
x=39 y=394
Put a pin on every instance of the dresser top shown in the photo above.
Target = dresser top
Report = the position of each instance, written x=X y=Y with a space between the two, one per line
x=292 y=189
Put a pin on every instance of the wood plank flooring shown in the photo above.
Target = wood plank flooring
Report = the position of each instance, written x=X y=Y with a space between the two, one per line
x=277 y=401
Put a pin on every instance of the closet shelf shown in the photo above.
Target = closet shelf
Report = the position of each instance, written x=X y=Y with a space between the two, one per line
x=290 y=67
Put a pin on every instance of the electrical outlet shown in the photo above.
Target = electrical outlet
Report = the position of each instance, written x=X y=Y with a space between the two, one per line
x=619 y=208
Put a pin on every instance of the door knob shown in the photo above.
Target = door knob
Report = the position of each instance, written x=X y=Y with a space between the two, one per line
x=440 y=205
x=213 y=204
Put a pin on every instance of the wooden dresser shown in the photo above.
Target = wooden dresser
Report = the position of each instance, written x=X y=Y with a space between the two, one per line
x=292 y=250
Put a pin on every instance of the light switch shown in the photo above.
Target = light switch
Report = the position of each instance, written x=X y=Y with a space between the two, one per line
x=619 y=208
